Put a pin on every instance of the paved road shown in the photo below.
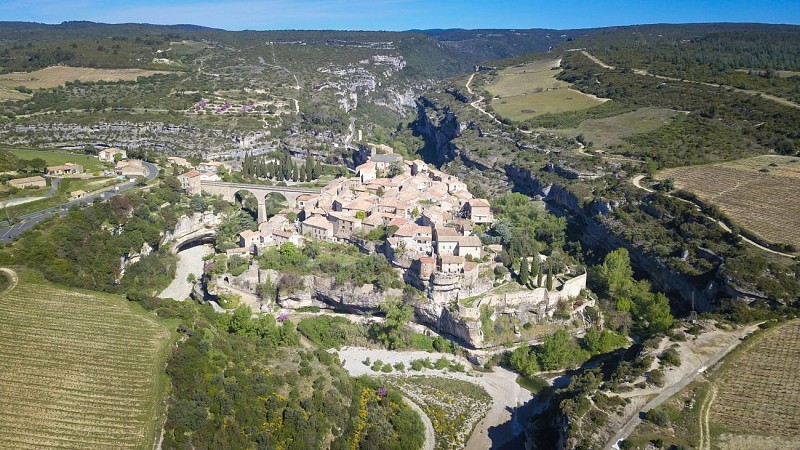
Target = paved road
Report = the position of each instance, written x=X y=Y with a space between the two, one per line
x=675 y=388
x=28 y=221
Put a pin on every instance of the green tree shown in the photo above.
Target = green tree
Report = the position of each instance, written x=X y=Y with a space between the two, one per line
x=616 y=274
x=539 y=275
x=397 y=315
x=549 y=282
x=523 y=271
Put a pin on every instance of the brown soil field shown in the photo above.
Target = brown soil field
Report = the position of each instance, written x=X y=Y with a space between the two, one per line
x=759 y=194
x=55 y=76
x=759 y=391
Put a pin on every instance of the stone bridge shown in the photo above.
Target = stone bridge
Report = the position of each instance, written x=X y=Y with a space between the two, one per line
x=228 y=192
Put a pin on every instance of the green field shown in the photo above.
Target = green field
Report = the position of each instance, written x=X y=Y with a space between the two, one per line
x=529 y=90
x=56 y=158
x=79 y=369
x=604 y=133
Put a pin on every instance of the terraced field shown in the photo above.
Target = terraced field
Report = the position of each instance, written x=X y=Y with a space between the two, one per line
x=759 y=391
x=759 y=194
x=77 y=369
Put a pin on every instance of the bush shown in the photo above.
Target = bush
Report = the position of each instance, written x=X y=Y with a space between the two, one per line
x=400 y=366
x=658 y=416
x=656 y=377
x=671 y=357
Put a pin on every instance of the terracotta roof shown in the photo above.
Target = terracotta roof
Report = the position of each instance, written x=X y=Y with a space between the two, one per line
x=427 y=260
x=451 y=259
x=249 y=234
x=478 y=202
x=318 y=222
x=283 y=234
x=469 y=241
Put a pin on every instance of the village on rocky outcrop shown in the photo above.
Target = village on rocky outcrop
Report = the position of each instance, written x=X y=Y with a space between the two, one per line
x=432 y=225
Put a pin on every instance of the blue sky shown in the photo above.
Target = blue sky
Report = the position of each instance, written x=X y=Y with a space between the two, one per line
x=401 y=14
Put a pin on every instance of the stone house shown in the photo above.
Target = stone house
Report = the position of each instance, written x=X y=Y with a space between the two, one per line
x=28 y=182
x=317 y=227
x=131 y=168
x=344 y=225
x=469 y=246
x=479 y=211
x=452 y=264
x=66 y=169
x=107 y=155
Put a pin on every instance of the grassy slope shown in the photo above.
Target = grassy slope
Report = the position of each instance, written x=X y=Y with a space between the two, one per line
x=54 y=158
x=80 y=368
x=531 y=89
x=609 y=131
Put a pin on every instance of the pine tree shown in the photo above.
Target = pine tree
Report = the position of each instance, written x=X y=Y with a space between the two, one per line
x=294 y=172
x=523 y=271
x=550 y=277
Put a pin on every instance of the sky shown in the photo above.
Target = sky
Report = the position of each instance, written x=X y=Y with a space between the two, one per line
x=398 y=15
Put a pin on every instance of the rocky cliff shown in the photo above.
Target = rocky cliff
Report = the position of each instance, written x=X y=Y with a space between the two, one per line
x=439 y=126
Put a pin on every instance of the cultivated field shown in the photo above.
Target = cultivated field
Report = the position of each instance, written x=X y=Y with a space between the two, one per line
x=759 y=194
x=77 y=369
x=55 y=76
x=758 y=392
x=529 y=90
x=56 y=158
x=609 y=131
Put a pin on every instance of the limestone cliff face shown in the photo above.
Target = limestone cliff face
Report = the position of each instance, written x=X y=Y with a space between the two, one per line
x=439 y=126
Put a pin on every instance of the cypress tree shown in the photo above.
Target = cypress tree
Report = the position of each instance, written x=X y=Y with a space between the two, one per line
x=523 y=271
x=550 y=277
x=539 y=276
x=535 y=267
x=294 y=172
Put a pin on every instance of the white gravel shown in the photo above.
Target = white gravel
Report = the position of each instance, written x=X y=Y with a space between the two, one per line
x=501 y=385
x=189 y=261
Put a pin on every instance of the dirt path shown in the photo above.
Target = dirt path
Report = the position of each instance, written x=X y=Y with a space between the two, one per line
x=430 y=436
x=477 y=103
x=698 y=366
x=597 y=60
x=637 y=181
x=14 y=280
x=705 y=412
x=643 y=72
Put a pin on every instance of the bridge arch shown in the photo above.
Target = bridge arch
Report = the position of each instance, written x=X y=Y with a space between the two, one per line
x=228 y=192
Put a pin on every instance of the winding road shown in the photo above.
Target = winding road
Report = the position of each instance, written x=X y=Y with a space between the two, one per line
x=8 y=231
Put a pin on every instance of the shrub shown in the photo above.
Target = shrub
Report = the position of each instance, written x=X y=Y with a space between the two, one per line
x=656 y=377
x=671 y=357
x=658 y=416
x=400 y=366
